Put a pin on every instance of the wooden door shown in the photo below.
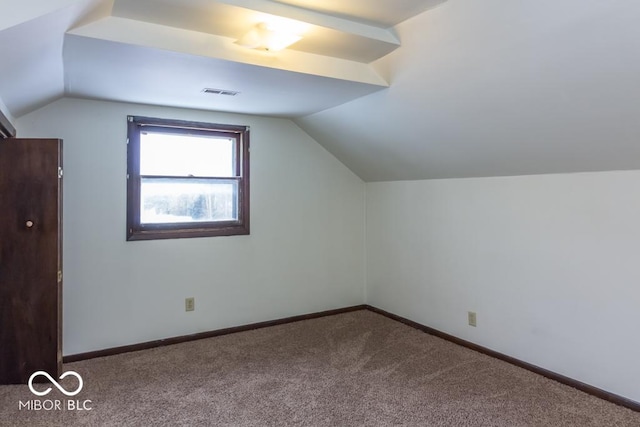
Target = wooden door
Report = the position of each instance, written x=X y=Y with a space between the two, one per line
x=30 y=258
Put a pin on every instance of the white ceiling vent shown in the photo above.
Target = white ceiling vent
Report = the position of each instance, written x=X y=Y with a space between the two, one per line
x=220 y=92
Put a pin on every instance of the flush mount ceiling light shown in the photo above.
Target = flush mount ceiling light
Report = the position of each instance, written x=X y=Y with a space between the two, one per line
x=267 y=37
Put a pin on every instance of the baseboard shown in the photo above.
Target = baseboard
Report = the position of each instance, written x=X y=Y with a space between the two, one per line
x=589 y=389
x=203 y=335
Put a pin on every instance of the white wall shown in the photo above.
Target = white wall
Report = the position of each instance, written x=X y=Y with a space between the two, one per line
x=305 y=252
x=550 y=263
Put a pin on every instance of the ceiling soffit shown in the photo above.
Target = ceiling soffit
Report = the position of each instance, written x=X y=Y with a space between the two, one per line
x=323 y=34
x=331 y=65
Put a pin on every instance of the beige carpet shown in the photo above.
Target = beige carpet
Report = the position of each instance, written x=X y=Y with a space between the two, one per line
x=354 y=369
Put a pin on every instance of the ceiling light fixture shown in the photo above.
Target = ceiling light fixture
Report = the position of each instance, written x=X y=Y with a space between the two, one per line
x=267 y=37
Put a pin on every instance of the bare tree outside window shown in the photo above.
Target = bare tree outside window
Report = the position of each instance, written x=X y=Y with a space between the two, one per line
x=186 y=179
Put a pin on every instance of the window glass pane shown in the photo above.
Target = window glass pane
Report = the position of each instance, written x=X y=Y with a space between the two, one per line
x=186 y=155
x=175 y=200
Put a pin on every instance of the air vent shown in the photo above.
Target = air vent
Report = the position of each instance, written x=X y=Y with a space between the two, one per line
x=220 y=92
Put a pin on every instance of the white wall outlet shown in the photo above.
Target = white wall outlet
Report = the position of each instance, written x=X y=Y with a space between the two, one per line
x=472 y=318
x=189 y=304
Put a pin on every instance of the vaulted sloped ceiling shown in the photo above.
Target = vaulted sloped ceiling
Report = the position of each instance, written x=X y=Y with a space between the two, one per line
x=494 y=87
x=31 y=43
x=396 y=89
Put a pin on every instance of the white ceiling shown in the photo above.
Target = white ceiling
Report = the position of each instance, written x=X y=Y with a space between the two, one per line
x=498 y=88
x=395 y=89
x=166 y=52
x=367 y=11
x=323 y=33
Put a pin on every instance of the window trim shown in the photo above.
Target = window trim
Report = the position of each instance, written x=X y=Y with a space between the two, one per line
x=7 y=130
x=136 y=230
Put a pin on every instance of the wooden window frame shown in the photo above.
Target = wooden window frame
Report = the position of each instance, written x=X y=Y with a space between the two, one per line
x=138 y=231
x=6 y=128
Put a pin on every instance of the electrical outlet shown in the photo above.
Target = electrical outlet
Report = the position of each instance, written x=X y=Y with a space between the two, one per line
x=472 y=318
x=189 y=304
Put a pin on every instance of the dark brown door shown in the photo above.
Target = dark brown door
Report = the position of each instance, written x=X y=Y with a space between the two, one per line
x=30 y=258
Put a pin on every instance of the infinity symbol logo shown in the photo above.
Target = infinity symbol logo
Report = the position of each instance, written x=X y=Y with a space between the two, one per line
x=55 y=383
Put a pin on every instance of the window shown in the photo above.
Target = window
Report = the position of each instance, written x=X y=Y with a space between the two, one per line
x=186 y=179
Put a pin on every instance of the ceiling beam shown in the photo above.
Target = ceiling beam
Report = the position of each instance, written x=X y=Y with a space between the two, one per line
x=162 y=37
x=319 y=19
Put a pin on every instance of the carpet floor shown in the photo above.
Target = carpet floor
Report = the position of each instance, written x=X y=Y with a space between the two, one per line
x=353 y=369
